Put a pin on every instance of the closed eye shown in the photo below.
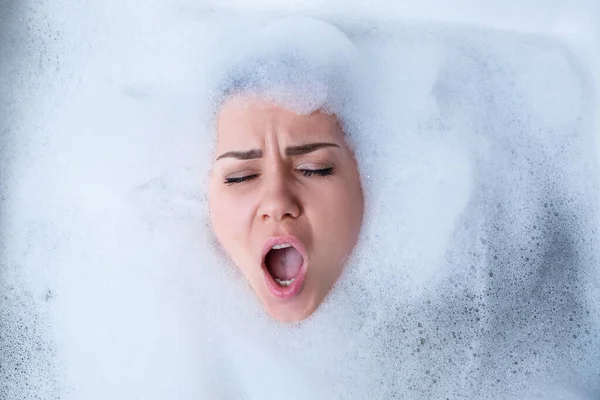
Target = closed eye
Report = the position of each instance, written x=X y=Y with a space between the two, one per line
x=240 y=179
x=319 y=172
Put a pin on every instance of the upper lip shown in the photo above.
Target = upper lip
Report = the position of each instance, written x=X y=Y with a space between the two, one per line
x=289 y=239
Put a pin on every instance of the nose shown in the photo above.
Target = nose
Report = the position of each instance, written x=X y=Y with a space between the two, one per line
x=278 y=200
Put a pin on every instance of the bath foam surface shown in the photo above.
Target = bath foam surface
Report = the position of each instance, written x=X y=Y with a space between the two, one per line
x=476 y=275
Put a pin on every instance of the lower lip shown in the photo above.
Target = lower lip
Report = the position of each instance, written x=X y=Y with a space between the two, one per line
x=290 y=291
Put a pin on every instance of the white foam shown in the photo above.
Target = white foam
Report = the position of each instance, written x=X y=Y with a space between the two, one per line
x=476 y=274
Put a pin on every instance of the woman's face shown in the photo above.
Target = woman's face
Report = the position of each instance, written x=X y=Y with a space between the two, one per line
x=286 y=202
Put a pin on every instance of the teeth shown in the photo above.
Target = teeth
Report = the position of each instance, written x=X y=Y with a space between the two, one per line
x=281 y=282
x=281 y=246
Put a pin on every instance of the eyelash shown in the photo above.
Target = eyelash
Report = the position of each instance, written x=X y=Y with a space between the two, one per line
x=305 y=172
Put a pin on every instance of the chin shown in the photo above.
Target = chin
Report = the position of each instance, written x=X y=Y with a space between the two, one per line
x=290 y=313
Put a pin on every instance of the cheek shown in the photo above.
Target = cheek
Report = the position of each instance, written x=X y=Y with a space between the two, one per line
x=348 y=197
x=338 y=213
x=230 y=216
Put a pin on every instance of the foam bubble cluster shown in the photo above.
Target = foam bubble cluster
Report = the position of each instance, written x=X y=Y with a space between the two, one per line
x=301 y=63
x=476 y=274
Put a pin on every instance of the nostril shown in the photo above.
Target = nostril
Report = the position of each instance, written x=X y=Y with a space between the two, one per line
x=280 y=216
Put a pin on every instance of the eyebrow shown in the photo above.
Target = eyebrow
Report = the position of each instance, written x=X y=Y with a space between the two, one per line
x=289 y=151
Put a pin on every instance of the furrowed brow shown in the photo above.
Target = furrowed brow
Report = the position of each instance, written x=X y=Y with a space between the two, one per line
x=307 y=148
x=242 y=155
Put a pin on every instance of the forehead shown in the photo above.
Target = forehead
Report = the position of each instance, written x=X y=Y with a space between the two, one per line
x=247 y=120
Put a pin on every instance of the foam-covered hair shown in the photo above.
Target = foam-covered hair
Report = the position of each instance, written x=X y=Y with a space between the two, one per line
x=298 y=63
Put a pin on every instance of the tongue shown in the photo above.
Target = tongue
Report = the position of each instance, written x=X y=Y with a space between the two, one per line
x=284 y=264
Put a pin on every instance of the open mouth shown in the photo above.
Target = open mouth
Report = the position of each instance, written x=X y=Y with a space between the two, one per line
x=283 y=262
x=284 y=265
